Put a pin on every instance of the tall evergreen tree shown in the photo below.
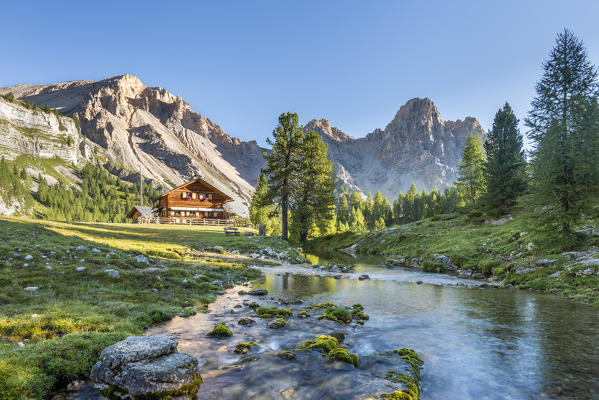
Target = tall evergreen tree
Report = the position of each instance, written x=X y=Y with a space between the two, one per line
x=563 y=124
x=282 y=165
x=343 y=211
x=356 y=220
x=471 y=169
x=315 y=204
x=505 y=166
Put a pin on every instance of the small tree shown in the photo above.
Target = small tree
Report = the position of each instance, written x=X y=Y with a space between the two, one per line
x=379 y=224
x=472 y=169
x=259 y=209
x=356 y=220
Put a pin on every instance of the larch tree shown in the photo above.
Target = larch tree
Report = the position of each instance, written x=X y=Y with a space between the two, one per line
x=283 y=165
x=505 y=168
x=564 y=129
x=259 y=209
x=472 y=169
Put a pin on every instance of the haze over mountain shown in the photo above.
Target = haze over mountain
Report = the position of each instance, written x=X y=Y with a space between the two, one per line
x=126 y=126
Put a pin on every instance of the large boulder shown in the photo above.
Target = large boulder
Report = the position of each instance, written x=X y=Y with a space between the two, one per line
x=141 y=367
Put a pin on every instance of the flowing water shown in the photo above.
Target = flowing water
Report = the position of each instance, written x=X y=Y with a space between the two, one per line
x=476 y=343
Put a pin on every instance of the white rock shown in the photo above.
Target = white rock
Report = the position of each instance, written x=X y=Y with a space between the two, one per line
x=140 y=258
x=28 y=257
x=184 y=281
x=94 y=250
x=113 y=273
x=31 y=288
x=49 y=268
x=80 y=248
x=79 y=269
x=21 y=344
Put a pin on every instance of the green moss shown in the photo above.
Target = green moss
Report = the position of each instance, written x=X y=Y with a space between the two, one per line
x=338 y=314
x=339 y=335
x=272 y=312
x=220 y=330
x=253 y=304
x=303 y=314
x=243 y=347
x=486 y=266
x=246 y=321
x=323 y=343
x=431 y=266
x=341 y=354
x=360 y=316
x=276 y=324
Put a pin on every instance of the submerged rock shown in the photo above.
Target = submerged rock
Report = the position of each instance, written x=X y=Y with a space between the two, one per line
x=287 y=355
x=258 y=292
x=363 y=277
x=146 y=367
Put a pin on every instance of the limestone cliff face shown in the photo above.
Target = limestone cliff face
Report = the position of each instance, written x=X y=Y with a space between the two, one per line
x=137 y=126
x=417 y=146
x=37 y=133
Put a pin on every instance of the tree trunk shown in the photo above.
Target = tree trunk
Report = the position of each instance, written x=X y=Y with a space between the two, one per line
x=284 y=208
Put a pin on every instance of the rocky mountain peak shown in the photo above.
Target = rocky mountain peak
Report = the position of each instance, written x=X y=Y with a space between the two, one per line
x=324 y=128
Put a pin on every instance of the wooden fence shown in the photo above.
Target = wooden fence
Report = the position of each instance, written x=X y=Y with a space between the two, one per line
x=191 y=221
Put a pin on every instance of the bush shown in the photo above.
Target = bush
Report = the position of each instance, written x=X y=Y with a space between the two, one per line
x=486 y=266
x=498 y=271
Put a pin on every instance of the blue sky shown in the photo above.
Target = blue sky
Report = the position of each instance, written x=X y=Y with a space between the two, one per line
x=242 y=63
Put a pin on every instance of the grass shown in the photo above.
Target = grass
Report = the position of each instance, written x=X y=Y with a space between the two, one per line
x=493 y=249
x=73 y=314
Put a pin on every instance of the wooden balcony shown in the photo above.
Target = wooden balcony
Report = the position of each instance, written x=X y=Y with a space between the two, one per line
x=190 y=221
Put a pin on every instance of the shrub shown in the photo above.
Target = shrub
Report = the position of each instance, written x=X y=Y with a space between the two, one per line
x=486 y=266
x=431 y=266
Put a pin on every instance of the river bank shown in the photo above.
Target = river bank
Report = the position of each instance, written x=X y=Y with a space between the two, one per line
x=502 y=251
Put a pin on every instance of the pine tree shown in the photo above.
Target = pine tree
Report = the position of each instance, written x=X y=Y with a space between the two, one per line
x=381 y=208
x=505 y=168
x=315 y=204
x=282 y=165
x=563 y=124
x=343 y=211
x=472 y=169
x=379 y=224
x=356 y=220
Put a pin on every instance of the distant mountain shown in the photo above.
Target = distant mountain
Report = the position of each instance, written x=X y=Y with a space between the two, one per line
x=131 y=126
x=126 y=126
x=417 y=146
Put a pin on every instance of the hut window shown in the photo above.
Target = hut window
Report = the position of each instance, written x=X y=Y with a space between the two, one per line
x=210 y=196
x=193 y=196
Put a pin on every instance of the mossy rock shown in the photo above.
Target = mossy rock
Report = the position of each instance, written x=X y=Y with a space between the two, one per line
x=272 y=312
x=243 y=347
x=432 y=266
x=276 y=324
x=220 y=330
x=303 y=314
x=323 y=343
x=341 y=354
x=339 y=335
x=246 y=321
x=287 y=355
x=360 y=316
x=253 y=304
x=322 y=306
x=340 y=315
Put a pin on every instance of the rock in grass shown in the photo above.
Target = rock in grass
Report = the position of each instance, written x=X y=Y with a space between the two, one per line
x=140 y=258
x=220 y=330
x=28 y=257
x=80 y=248
x=79 y=269
x=31 y=288
x=146 y=367
x=113 y=273
x=287 y=355
x=258 y=292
